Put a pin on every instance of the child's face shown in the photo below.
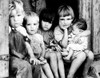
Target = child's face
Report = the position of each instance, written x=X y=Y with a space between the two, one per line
x=46 y=25
x=16 y=18
x=32 y=25
x=65 y=22
x=76 y=29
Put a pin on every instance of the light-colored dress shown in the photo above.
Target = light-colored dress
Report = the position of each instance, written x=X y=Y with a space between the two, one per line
x=36 y=42
x=77 y=47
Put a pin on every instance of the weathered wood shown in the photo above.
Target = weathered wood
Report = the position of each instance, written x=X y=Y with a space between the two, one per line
x=85 y=9
x=96 y=26
x=4 y=51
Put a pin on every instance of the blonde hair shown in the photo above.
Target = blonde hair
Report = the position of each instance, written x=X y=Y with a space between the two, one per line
x=16 y=5
x=65 y=10
x=31 y=14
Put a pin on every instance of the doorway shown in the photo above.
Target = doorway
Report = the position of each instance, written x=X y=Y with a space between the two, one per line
x=54 y=4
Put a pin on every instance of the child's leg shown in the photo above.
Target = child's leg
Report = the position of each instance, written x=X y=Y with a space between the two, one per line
x=42 y=74
x=89 y=61
x=47 y=70
x=53 y=63
x=76 y=64
x=24 y=69
x=36 y=71
x=60 y=65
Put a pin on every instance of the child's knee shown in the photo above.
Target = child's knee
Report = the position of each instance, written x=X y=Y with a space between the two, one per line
x=59 y=55
x=52 y=56
x=90 y=55
x=70 y=75
x=82 y=56
x=27 y=66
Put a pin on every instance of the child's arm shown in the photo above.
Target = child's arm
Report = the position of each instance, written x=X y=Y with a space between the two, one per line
x=60 y=37
x=69 y=54
x=82 y=34
x=19 y=55
x=81 y=44
x=64 y=40
x=43 y=48
x=30 y=52
x=85 y=33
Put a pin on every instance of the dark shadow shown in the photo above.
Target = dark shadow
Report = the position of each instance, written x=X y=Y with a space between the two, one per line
x=54 y=4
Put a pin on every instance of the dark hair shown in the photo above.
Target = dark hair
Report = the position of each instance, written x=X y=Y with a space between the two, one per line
x=47 y=15
x=81 y=23
x=16 y=42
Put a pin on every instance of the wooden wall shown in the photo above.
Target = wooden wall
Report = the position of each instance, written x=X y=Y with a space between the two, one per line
x=90 y=10
x=4 y=64
x=96 y=26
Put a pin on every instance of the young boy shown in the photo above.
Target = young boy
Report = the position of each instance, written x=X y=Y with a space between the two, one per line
x=16 y=17
x=36 y=41
x=66 y=17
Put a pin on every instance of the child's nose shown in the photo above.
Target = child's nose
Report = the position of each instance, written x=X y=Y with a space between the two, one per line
x=15 y=19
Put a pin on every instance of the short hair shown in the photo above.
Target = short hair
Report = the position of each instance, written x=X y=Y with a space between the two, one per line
x=30 y=14
x=16 y=5
x=47 y=15
x=81 y=23
x=65 y=10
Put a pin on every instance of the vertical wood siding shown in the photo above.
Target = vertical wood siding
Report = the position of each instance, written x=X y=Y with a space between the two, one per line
x=96 y=26
x=85 y=12
x=4 y=38
x=90 y=10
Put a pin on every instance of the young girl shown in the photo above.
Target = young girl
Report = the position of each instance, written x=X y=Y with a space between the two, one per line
x=66 y=17
x=74 y=48
x=46 y=30
x=36 y=41
x=16 y=23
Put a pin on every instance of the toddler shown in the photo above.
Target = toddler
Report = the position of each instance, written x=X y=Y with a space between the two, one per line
x=36 y=41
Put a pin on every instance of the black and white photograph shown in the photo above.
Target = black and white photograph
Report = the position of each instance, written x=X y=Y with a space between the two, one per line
x=49 y=38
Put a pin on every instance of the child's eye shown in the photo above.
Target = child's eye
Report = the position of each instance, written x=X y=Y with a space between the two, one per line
x=11 y=16
x=18 y=15
x=62 y=19
x=35 y=23
x=28 y=24
x=69 y=18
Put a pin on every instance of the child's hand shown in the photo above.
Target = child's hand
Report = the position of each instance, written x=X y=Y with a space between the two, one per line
x=34 y=61
x=43 y=62
x=76 y=39
x=64 y=54
x=66 y=58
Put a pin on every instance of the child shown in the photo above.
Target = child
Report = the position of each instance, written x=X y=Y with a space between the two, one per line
x=74 y=48
x=66 y=17
x=46 y=30
x=16 y=17
x=81 y=45
x=18 y=54
x=37 y=44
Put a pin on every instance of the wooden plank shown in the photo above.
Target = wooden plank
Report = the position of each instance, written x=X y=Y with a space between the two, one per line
x=96 y=26
x=4 y=51
x=85 y=12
